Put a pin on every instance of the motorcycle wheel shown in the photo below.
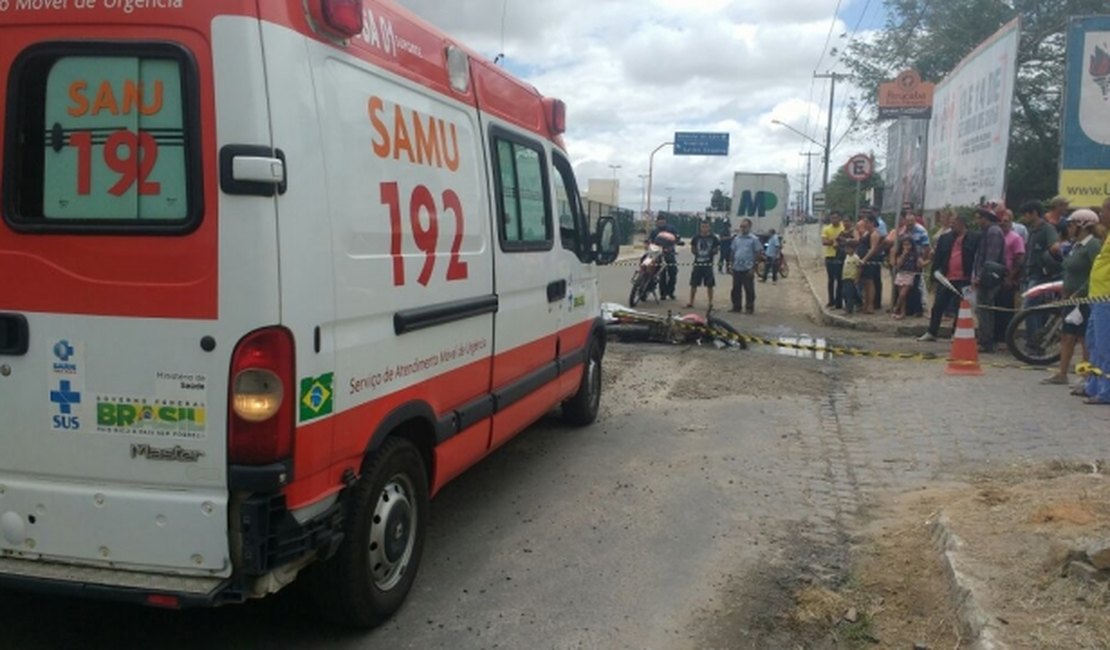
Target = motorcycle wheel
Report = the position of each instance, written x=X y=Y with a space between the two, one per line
x=784 y=270
x=637 y=293
x=1045 y=348
x=721 y=324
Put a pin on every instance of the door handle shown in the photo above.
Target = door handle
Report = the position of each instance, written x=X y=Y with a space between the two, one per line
x=252 y=170
x=556 y=290
x=15 y=336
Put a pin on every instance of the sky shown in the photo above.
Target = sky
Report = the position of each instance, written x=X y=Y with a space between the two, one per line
x=633 y=72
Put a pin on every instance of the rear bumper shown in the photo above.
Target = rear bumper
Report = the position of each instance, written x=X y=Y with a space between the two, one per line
x=132 y=527
x=271 y=539
x=55 y=579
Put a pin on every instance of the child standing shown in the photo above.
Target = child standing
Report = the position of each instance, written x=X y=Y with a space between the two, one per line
x=848 y=279
x=908 y=264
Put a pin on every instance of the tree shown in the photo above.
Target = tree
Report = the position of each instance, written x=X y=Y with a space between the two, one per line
x=719 y=201
x=841 y=193
x=933 y=36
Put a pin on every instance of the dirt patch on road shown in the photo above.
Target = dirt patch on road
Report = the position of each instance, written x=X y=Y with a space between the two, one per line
x=1020 y=529
x=713 y=374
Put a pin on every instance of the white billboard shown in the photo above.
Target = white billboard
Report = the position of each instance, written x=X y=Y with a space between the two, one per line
x=969 y=133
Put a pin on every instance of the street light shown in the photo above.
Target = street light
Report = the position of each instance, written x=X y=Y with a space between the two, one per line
x=824 y=147
x=642 y=192
x=651 y=167
x=614 y=189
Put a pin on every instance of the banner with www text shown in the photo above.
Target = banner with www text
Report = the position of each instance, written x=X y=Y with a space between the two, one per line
x=1085 y=159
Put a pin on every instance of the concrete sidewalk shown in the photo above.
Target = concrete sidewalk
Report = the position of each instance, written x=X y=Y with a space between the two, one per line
x=813 y=270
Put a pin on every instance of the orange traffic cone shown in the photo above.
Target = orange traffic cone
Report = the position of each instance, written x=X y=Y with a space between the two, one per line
x=964 y=359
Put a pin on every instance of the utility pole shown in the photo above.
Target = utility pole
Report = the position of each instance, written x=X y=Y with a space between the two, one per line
x=834 y=76
x=809 y=159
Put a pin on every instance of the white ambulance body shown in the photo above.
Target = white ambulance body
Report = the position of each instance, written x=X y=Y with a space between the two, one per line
x=271 y=274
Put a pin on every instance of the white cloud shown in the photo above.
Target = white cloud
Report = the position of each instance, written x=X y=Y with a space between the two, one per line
x=633 y=72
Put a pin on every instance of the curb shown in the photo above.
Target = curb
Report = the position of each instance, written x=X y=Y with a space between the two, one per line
x=976 y=626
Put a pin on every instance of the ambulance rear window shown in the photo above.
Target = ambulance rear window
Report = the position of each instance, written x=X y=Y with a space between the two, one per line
x=103 y=138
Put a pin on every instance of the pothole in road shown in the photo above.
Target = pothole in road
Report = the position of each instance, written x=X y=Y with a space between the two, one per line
x=786 y=342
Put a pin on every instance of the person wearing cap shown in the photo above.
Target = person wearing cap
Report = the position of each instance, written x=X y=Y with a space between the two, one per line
x=831 y=237
x=1057 y=210
x=1040 y=265
x=987 y=274
x=1077 y=267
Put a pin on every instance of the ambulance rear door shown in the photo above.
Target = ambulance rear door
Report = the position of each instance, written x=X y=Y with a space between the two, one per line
x=121 y=294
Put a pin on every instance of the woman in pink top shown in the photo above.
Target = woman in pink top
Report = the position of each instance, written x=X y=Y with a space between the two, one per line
x=1013 y=256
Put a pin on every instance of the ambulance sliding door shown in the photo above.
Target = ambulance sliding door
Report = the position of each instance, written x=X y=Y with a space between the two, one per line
x=530 y=286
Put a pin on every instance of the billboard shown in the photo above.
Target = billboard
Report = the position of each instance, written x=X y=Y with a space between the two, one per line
x=905 y=164
x=969 y=133
x=1085 y=139
x=906 y=96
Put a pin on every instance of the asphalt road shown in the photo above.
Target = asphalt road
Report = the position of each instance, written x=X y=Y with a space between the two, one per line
x=714 y=483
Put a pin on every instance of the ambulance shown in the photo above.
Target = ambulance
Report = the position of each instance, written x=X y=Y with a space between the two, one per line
x=272 y=272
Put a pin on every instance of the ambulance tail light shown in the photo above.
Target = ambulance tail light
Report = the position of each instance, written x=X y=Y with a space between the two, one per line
x=556 y=111
x=341 y=18
x=261 y=398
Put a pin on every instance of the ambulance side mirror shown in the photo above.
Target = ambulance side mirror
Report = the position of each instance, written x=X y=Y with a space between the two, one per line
x=608 y=244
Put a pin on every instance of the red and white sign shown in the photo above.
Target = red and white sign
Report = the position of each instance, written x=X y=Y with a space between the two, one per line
x=859 y=167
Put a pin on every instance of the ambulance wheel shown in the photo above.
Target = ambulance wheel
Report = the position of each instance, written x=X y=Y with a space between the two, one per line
x=582 y=408
x=371 y=573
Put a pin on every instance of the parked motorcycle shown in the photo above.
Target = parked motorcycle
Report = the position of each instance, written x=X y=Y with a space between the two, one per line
x=645 y=279
x=1034 y=334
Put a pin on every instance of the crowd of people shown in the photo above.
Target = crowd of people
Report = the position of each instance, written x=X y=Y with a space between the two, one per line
x=992 y=264
x=739 y=254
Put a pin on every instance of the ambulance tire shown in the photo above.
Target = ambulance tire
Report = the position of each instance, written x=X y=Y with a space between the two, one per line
x=582 y=408
x=370 y=575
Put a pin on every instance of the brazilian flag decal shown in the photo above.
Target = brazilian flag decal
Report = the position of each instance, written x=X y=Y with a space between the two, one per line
x=316 y=396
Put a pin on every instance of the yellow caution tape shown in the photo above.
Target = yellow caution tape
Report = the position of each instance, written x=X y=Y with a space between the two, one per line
x=726 y=335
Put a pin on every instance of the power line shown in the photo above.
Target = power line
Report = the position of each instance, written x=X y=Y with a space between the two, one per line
x=504 y=10
x=901 y=55
x=851 y=38
x=828 y=38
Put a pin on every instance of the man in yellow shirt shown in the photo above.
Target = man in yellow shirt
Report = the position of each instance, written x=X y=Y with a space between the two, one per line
x=834 y=257
x=1098 y=325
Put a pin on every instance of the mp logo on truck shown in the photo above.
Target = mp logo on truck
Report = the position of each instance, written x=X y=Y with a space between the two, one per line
x=756 y=204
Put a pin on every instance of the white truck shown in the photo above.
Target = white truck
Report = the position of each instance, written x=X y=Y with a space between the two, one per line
x=761 y=197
